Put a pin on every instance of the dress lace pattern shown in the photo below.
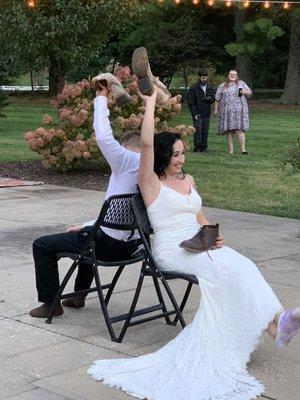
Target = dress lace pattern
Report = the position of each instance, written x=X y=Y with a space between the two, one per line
x=207 y=360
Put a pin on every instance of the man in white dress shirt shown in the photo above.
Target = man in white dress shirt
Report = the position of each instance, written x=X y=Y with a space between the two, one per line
x=124 y=159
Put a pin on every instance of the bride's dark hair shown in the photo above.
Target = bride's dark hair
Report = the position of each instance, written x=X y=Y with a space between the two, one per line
x=163 y=150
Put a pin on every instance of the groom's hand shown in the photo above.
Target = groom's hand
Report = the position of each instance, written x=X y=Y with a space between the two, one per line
x=101 y=88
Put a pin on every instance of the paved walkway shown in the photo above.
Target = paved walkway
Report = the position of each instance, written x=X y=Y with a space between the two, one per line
x=49 y=362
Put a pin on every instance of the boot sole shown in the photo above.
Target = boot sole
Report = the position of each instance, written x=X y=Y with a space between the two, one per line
x=140 y=64
x=122 y=100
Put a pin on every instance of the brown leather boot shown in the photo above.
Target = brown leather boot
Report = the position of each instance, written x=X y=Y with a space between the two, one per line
x=146 y=81
x=204 y=239
x=119 y=94
x=75 y=302
x=43 y=311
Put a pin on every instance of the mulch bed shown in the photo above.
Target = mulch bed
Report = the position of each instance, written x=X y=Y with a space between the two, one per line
x=34 y=171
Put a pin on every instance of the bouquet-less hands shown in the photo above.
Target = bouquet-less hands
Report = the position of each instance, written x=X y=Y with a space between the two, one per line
x=101 y=89
x=219 y=242
x=75 y=228
x=149 y=99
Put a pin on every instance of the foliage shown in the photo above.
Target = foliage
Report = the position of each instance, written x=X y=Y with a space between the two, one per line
x=70 y=143
x=188 y=38
x=259 y=35
x=289 y=158
x=59 y=33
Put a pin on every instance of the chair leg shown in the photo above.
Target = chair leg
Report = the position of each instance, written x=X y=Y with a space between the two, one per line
x=173 y=301
x=60 y=290
x=103 y=304
x=113 y=284
x=183 y=303
x=161 y=299
x=133 y=305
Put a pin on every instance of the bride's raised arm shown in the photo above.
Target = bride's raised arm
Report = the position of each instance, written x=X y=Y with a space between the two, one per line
x=147 y=179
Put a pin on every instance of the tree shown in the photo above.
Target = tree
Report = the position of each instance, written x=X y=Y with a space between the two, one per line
x=252 y=40
x=291 y=93
x=177 y=39
x=59 y=33
x=243 y=61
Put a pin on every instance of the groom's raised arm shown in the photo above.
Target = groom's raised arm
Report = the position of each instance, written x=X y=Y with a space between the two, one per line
x=116 y=155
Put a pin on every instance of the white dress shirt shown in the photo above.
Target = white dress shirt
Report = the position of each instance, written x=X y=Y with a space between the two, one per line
x=203 y=87
x=124 y=163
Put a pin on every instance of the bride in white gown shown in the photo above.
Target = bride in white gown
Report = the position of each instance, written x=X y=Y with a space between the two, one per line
x=207 y=360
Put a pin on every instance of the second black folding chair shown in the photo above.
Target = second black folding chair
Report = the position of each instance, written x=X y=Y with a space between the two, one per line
x=116 y=213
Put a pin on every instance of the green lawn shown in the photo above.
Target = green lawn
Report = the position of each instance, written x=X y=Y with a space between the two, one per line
x=253 y=183
x=22 y=115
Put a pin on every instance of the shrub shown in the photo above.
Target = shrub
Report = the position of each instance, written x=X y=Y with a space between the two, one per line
x=289 y=158
x=70 y=143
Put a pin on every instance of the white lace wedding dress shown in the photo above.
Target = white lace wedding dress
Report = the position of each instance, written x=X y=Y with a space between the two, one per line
x=207 y=360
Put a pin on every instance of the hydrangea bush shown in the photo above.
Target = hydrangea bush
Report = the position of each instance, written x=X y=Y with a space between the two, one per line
x=70 y=143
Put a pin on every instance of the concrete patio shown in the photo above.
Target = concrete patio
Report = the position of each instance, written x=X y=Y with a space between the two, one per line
x=49 y=362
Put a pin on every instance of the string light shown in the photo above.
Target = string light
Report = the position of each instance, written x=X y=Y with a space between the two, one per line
x=286 y=5
x=31 y=3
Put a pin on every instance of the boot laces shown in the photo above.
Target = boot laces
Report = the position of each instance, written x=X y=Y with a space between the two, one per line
x=200 y=235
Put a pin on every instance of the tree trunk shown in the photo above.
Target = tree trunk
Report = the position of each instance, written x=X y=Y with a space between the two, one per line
x=186 y=81
x=56 y=77
x=291 y=92
x=243 y=61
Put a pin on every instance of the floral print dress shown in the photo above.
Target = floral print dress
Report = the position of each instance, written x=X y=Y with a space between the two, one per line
x=233 y=112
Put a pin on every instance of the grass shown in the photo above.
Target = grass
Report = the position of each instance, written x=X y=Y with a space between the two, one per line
x=253 y=183
x=22 y=115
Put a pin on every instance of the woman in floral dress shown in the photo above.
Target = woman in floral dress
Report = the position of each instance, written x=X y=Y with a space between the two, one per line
x=231 y=109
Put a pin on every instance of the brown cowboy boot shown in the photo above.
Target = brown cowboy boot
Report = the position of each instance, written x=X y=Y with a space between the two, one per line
x=43 y=311
x=119 y=94
x=204 y=239
x=146 y=81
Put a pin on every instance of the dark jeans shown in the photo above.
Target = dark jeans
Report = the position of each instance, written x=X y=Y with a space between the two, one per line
x=46 y=248
x=200 y=136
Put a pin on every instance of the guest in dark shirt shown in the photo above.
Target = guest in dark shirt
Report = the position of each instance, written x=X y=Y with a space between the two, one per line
x=200 y=97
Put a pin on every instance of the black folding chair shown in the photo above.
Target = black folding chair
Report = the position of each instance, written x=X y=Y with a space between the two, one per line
x=116 y=213
x=150 y=266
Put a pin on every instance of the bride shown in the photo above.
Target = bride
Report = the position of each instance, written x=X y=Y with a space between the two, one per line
x=207 y=360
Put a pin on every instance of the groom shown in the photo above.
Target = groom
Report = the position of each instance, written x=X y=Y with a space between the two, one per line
x=111 y=245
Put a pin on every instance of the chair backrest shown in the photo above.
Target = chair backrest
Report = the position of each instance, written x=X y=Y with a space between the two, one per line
x=144 y=228
x=116 y=213
x=140 y=213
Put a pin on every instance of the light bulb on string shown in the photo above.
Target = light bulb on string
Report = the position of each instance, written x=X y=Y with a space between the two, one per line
x=286 y=5
x=195 y=2
x=177 y=2
x=228 y=3
x=267 y=4
x=210 y=2
x=31 y=3
x=246 y=3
